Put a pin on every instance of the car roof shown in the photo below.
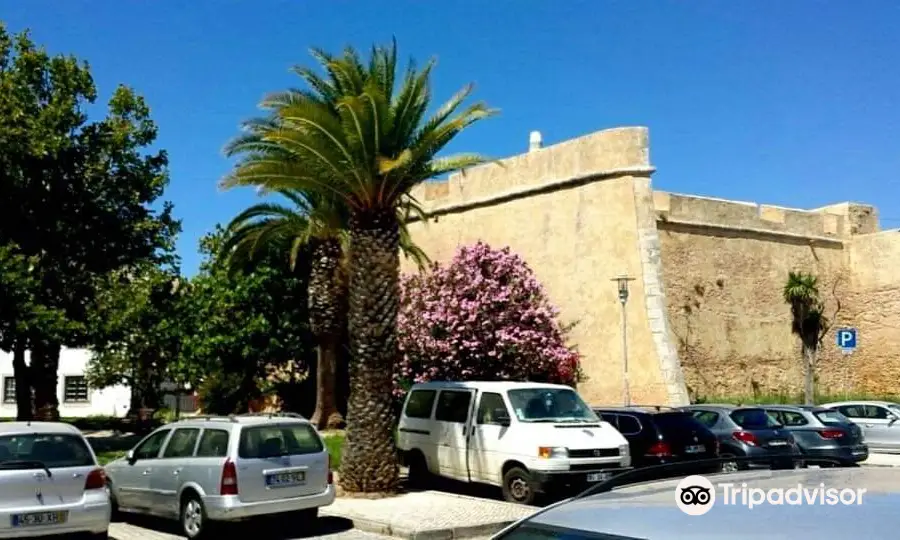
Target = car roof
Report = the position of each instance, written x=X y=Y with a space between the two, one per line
x=639 y=409
x=784 y=407
x=496 y=386
x=238 y=420
x=649 y=509
x=721 y=406
x=859 y=402
x=11 y=428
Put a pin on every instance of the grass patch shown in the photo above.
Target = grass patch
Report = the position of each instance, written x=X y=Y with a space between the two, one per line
x=334 y=442
x=105 y=457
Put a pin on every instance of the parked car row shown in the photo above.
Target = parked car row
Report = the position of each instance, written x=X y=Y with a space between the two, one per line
x=199 y=471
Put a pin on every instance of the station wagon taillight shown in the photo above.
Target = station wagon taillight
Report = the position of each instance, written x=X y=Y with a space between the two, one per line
x=831 y=434
x=229 y=485
x=96 y=479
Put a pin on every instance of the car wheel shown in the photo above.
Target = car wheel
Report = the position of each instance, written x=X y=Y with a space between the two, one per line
x=518 y=486
x=193 y=517
x=729 y=466
x=418 y=470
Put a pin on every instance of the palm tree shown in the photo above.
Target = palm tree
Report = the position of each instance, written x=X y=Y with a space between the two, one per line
x=320 y=223
x=358 y=136
x=808 y=321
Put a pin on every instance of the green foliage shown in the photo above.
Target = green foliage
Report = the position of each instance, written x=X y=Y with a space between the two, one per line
x=808 y=320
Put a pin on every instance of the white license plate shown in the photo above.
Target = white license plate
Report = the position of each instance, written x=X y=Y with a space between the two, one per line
x=597 y=477
x=777 y=443
x=695 y=449
x=285 y=479
x=38 y=519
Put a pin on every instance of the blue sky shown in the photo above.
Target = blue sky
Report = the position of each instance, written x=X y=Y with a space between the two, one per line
x=788 y=103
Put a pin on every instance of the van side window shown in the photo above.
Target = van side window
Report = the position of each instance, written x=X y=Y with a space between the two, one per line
x=488 y=407
x=453 y=406
x=420 y=404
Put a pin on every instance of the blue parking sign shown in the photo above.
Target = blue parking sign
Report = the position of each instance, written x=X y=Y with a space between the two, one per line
x=846 y=338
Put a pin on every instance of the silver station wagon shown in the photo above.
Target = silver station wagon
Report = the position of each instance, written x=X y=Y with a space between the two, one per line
x=215 y=469
x=50 y=483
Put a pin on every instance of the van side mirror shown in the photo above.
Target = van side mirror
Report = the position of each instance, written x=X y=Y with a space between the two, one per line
x=501 y=417
x=129 y=457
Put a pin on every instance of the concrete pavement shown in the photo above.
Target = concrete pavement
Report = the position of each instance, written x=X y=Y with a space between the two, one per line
x=330 y=528
x=882 y=460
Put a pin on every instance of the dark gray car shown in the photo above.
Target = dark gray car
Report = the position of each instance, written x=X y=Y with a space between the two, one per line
x=748 y=432
x=821 y=434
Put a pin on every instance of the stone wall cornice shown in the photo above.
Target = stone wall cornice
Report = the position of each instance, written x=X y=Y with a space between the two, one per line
x=528 y=191
x=705 y=227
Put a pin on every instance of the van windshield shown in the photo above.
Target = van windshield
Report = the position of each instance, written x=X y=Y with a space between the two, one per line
x=550 y=405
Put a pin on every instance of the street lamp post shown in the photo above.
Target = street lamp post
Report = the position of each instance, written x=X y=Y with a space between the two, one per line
x=622 y=282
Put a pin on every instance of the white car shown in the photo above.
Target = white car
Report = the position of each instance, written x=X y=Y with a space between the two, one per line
x=526 y=438
x=50 y=483
x=218 y=469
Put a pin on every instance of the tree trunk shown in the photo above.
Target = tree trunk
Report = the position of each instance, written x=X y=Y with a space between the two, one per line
x=24 y=403
x=44 y=370
x=809 y=374
x=369 y=460
x=327 y=316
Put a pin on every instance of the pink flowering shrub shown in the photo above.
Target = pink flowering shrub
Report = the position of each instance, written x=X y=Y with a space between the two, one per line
x=483 y=316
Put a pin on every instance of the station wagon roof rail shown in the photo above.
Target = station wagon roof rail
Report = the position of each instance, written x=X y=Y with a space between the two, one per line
x=273 y=415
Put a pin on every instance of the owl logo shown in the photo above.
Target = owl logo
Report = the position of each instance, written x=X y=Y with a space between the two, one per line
x=695 y=495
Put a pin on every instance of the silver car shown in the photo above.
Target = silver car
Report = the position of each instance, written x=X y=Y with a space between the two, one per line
x=50 y=482
x=878 y=420
x=216 y=469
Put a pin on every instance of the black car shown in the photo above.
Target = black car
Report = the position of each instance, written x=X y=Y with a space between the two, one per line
x=658 y=435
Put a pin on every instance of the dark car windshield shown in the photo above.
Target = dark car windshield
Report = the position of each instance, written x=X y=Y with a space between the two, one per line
x=550 y=405
x=38 y=450
x=672 y=422
x=753 y=419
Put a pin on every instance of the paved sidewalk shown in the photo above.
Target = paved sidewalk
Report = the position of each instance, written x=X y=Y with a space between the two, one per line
x=428 y=515
x=882 y=460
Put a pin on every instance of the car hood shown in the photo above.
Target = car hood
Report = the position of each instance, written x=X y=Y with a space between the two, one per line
x=575 y=436
x=648 y=510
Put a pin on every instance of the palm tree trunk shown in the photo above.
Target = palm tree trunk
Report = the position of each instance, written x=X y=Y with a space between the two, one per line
x=21 y=371
x=327 y=316
x=369 y=460
x=44 y=368
x=809 y=374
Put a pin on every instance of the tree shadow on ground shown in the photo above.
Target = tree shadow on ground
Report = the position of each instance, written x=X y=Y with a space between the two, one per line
x=267 y=527
x=481 y=491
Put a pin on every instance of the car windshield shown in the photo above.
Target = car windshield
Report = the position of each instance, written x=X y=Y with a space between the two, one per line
x=672 y=422
x=753 y=419
x=831 y=417
x=44 y=450
x=550 y=405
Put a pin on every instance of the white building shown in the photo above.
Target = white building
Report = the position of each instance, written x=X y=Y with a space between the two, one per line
x=75 y=398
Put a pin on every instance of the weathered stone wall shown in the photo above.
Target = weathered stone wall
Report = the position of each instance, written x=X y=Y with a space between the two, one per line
x=572 y=211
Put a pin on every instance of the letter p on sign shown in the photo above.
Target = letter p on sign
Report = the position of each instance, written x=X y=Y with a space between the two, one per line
x=846 y=338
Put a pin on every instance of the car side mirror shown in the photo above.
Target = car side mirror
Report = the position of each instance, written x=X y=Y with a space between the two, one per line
x=129 y=457
x=892 y=418
x=502 y=417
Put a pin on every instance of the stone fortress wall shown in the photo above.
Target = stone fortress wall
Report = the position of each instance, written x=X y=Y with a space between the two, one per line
x=705 y=316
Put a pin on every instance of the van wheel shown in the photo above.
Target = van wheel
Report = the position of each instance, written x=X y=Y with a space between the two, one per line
x=418 y=470
x=194 y=523
x=518 y=486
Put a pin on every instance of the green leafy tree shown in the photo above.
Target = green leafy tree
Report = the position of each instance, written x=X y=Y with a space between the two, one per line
x=139 y=326
x=808 y=322
x=251 y=326
x=357 y=135
x=75 y=197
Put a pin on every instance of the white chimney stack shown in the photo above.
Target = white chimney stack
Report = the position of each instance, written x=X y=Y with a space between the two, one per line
x=534 y=141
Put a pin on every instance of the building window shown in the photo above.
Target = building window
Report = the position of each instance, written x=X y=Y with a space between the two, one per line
x=76 y=390
x=9 y=389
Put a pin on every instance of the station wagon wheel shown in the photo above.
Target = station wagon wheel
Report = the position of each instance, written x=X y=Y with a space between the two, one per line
x=518 y=486
x=193 y=517
x=729 y=466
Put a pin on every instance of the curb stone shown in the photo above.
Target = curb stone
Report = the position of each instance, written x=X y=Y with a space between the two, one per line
x=386 y=529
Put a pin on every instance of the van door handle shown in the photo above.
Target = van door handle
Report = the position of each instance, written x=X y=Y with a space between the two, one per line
x=177 y=471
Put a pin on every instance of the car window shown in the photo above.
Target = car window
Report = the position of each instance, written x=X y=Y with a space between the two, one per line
x=420 y=403
x=676 y=422
x=776 y=416
x=753 y=419
x=260 y=442
x=876 y=412
x=852 y=411
x=827 y=416
x=610 y=418
x=52 y=450
x=213 y=443
x=489 y=405
x=453 y=406
x=149 y=447
x=629 y=425
x=791 y=418
x=707 y=418
x=181 y=443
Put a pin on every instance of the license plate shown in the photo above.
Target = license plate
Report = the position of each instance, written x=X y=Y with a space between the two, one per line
x=778 y=443
x=695 y=449
x=39 y=518
x=597 y=477
x=285 y=479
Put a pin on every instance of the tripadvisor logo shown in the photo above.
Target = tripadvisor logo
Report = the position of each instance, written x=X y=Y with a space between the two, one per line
x=696 y=495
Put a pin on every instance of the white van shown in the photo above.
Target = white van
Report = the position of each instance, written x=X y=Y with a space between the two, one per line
x=526 y=438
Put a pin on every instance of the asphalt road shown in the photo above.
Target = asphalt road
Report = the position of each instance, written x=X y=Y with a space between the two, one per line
x=142 y=528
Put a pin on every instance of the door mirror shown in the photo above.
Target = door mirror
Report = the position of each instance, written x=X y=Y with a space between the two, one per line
x=501 y=417
x=891 y=418
x=129 y=457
